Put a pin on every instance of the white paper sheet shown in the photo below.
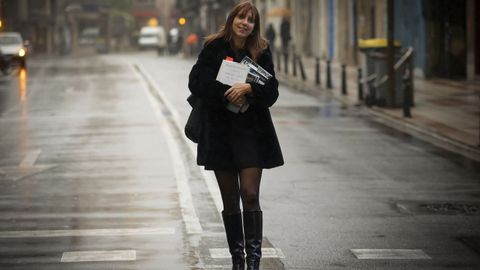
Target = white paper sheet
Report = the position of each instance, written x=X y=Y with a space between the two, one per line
x=232 y=72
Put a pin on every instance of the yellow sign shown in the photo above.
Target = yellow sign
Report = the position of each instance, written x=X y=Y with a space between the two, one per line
x=152 y=22
x=182 y=21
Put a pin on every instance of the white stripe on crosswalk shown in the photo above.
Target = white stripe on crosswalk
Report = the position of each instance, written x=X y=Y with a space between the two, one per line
x=99 y=256
x=90 y=232
x=30 y=158
x=221 y=253
x=390 y=254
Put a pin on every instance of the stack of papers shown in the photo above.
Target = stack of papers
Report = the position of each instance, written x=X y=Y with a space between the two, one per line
x=246 y=71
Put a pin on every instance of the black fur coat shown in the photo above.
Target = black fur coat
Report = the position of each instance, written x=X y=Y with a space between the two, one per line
x=216 y=140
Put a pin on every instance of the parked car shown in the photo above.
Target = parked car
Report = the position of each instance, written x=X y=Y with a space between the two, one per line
x=14 y=48
x=89 y=36
x=152 y=37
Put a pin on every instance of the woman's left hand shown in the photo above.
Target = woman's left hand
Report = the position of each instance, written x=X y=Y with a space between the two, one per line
x=237 y=92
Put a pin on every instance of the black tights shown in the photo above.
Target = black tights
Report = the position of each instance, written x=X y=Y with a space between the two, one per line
x=248 y=188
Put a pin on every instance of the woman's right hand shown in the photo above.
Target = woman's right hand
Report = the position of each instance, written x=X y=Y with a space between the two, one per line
x=239 y=102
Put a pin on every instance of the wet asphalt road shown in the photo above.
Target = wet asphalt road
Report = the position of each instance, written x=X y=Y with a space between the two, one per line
x=91 y=159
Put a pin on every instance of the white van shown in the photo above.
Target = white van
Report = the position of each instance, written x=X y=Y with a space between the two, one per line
x=152 y=37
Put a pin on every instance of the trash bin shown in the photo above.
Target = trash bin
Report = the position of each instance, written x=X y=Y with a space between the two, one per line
x=381 y=70
x=374 y=62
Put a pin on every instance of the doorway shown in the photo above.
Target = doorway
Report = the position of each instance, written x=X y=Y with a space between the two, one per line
x=448 y=54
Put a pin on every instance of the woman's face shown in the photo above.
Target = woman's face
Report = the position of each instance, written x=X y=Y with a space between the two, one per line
x=243 y=25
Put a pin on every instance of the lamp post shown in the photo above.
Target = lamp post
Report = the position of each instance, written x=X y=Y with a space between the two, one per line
x=391 y=51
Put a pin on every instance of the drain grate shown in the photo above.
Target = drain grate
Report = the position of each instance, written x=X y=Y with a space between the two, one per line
x=438 y=208
x=452 y=208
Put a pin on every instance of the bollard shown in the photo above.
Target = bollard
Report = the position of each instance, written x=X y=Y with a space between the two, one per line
x=344 y=80
x=317 y=71
x=329 y=76
x=302 y=70
x=285 y=62
x=371 y=98
x=407 y=94
x=294 y=62
x=360 y=85
x=279 y=60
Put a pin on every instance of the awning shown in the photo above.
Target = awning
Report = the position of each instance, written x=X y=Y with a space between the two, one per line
x=279 y=12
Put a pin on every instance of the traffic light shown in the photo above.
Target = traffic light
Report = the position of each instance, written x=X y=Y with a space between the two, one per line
x=182 y=21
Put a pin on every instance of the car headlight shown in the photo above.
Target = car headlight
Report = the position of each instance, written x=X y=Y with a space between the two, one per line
x=22 y=52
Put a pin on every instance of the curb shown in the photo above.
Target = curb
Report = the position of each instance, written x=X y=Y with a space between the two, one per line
x=403 y=125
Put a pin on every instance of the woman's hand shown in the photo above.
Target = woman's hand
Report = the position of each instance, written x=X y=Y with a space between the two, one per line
x=236 y=93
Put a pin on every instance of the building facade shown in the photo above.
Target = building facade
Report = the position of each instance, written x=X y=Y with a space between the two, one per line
x=445 y=34
x=57 y=26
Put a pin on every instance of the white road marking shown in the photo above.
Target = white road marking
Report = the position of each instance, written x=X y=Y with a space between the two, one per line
x=84 y=233
x=390 y=254
x=208 y=176
x=222 y=253
x=189 y=215
x=30 y=158
x=99 y=256
x=17 y=173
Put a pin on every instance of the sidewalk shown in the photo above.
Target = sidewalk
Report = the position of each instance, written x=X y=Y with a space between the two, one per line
x=446 y=113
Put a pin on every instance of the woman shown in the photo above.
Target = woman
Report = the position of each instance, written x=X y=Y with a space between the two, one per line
x=237 y=146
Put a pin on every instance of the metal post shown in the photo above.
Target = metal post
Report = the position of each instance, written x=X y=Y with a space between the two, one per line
x=302 y=70
x=344 y=80
x=294 y=62
x=285 y=62
x=317 y=71
x=279 y=60
x=407 y=90
x=371 y=98
x=360 y=84
x=329 y=75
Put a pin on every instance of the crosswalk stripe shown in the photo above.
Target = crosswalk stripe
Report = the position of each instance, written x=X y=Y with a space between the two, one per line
x=99 y=256
x=30 y=158
x=221 y=253
x=90 y=232
x=390 y=254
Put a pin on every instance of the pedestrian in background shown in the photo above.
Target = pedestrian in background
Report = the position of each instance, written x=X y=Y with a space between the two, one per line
x=238 y=146
x=270 y=34
x=285 y=33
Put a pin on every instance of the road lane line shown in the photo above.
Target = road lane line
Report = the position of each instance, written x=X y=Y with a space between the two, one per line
x=99 y=256
x=189 y=214
x=30 y=158
x=88 y=232
x=208 y=176
x=390 y=254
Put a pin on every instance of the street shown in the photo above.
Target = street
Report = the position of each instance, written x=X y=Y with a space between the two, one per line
x=95 y=173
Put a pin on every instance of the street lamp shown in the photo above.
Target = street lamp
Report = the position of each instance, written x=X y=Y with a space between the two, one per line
x=182 y=21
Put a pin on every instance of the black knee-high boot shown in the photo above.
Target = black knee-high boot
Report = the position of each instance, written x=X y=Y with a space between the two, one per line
x=253 y=226
x=235 y=239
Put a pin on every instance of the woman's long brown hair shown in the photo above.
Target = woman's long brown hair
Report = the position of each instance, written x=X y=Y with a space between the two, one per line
x=255 y=43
